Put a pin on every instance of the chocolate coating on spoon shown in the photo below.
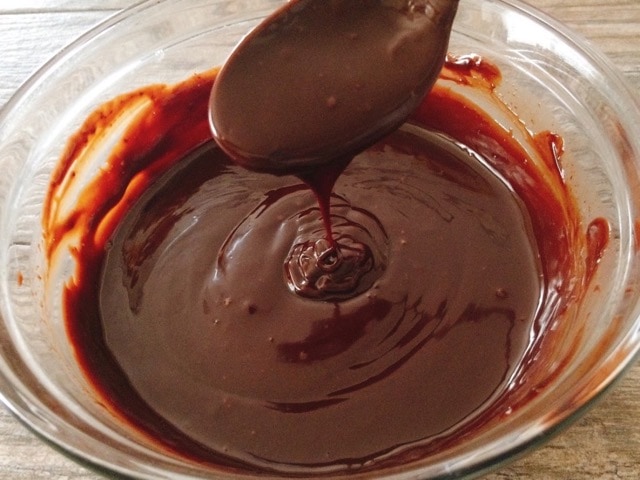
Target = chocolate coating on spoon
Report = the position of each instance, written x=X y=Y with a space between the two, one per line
x=321 y=80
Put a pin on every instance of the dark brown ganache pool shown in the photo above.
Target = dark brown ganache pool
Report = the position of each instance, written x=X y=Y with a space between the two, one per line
x=200 y=319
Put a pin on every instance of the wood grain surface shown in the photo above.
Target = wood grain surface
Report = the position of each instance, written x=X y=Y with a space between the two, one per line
x=604 y=444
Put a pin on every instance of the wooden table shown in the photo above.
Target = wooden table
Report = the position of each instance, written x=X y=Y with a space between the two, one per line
x=605 y=444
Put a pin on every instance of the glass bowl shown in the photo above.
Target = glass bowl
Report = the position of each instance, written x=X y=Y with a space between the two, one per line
x=551 y=80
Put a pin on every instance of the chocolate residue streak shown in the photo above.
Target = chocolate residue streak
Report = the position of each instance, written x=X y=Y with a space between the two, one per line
x=190 y=326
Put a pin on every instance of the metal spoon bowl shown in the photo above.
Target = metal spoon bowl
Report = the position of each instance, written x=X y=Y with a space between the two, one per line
x=318 y=80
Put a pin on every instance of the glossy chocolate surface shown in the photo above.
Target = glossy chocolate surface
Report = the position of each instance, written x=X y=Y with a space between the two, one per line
x=184 y=318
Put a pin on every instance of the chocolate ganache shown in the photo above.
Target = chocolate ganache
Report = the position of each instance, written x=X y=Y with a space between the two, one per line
x=188 y=319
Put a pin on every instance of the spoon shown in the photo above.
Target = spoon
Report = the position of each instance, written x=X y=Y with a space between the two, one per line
x=320 y=80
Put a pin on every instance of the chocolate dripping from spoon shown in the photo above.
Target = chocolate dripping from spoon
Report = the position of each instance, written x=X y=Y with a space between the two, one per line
x=319 y=81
